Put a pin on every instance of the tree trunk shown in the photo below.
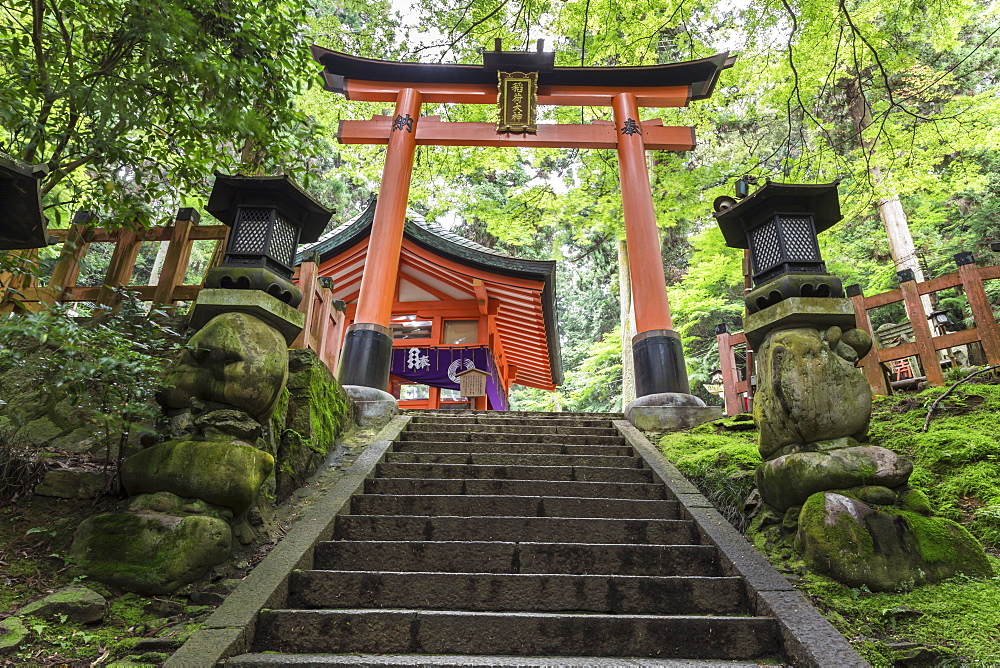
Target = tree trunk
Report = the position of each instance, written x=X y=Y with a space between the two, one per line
x=890 y=210
x=627 y=324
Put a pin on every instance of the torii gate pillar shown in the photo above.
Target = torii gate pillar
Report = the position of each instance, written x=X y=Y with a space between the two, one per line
x=656 y=348
x=366 y=358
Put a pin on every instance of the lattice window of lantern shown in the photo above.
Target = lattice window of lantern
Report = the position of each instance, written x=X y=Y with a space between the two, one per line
x=251 y=230
x=764 y=247
x=800 y=244
x=282 y=241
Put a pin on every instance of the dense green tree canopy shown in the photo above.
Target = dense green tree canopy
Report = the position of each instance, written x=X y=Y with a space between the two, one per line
x=133 y=104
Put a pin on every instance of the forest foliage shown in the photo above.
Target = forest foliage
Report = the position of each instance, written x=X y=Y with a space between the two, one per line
x=133 y=105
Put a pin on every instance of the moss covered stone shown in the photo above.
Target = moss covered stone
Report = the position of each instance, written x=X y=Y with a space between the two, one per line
x=236 y=360
x=915 y=501
x=857 y=545
x=12 y=633
x=79 y=603
x=806 y=392
x=150 y=554
x=789 y=480
x=308 y=418
x=222 y=472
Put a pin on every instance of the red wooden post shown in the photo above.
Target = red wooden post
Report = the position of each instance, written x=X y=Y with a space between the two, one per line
x=656 y=348
x=921 y=333
x=652 y=311
x=178 y=256
x=979 y=303
x=727 y=364
x=325 y=307
x=869 y=363
x=367 y=355
x=336 y=338
x=308 y=282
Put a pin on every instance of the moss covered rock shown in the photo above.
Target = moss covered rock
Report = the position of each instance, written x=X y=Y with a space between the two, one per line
x=222 y=472
x=857 y=545
x=12 y=633
x=148 y=553
x=79 y=603
x=309 y=416
x=171 y=504
x=236 y=360
x=789 y=480
x=806 y=392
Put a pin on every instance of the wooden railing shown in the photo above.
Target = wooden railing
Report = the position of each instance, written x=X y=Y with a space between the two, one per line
x=324 y=323
x=969 y=279
x=77 y=239
x=325 y=320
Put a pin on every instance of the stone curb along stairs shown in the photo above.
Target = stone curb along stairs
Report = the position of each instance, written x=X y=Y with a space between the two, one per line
x=514 y=539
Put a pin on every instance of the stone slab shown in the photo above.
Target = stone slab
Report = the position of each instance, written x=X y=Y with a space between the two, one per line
x=453 y=661
x=395 y=631
x=524 y=436
x=819 y=312
x=472 y=505
x=611 y=594
x=216 y=301
x=515 y=448
x=477 y=471
x=594 y=490
x=564 y=529
x=515 y=428
x=507 y=459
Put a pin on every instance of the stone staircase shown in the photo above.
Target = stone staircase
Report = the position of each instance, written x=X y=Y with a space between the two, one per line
x=504 y=538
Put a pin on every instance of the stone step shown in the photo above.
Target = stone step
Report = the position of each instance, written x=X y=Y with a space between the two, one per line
x=470 y=556
x=511 y=506
x=606 y=490
x=502 y=459
x=552 y=529
x=515 y=448
x=610 y=594
x=529 y=415
x=450 y=632
x=476 y=428
x=360 y=660
x=513 y=422
x=579 y=473
x=520 y=437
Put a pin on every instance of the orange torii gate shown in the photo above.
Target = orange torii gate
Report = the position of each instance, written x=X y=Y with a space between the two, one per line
x=659 y=360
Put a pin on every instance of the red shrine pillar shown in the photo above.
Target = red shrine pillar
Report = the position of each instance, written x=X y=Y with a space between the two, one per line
x=656 y=348
x=367 y=354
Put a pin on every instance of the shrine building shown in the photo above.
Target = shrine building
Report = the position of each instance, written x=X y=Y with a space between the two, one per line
x=456 y=306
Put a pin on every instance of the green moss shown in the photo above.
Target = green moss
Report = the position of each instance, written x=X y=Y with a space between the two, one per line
x=721 y=465
x=957 y=461
x=957 y=616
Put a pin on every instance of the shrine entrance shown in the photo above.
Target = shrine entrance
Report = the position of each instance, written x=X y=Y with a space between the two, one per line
x=516 y=82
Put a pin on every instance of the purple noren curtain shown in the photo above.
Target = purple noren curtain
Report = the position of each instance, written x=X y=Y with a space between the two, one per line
x=437 y=367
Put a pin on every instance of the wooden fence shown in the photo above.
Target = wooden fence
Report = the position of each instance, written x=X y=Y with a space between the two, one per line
x=324 y=324
x=968 y=279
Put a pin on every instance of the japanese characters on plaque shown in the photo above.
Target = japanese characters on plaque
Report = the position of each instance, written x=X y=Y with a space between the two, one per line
x=517 y=102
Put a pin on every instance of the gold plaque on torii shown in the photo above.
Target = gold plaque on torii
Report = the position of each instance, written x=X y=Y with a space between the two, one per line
x=517 y=102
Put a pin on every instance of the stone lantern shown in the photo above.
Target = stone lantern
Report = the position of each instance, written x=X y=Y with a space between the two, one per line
x=22 y=224
x=779 y=224
x=270 y=217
